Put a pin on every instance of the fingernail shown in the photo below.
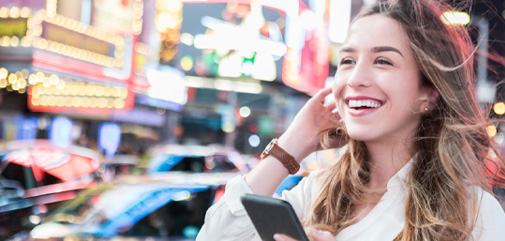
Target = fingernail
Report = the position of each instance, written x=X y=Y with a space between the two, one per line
x=314 y=232
x=278 y=237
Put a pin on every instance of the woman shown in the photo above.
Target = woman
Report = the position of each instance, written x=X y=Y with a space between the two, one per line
x=417 y=163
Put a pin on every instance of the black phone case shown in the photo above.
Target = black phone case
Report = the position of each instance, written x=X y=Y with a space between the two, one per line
x=271 y=215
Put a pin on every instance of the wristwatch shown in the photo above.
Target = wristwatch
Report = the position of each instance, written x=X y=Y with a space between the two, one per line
x=280 y=154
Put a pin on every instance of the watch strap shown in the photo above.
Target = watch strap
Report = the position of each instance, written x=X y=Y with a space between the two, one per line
x=280 y=154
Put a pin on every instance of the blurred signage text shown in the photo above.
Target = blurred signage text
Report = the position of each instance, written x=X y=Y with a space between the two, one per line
x=13 y=27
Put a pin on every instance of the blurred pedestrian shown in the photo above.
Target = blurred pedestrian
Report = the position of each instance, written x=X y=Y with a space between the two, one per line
x=417 y=163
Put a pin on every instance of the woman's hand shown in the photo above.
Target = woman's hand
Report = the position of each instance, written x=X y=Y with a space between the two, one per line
x=314 y=235
x=303 y=135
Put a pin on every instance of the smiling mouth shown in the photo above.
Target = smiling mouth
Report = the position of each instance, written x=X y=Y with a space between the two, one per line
x=363 y=104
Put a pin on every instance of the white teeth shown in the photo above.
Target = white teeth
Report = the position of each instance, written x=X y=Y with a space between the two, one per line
x=364 y=103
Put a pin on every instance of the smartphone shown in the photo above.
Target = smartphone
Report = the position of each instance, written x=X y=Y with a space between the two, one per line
x=271 y=215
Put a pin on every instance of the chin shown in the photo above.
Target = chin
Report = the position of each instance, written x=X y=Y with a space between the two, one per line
x=360 y=136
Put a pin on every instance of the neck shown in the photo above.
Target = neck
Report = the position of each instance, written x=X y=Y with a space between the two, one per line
x=386 y=159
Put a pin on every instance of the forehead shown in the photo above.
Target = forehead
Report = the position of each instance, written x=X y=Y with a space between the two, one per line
x=376 y=30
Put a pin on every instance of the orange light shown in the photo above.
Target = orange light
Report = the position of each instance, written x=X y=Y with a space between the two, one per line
x=491 y=130
x=499 y=108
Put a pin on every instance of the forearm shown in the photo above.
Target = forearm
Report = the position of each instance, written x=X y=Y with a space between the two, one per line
x=266 y=177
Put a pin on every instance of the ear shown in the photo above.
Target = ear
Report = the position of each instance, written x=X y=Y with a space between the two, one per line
x=433 y=97
x=429 y=99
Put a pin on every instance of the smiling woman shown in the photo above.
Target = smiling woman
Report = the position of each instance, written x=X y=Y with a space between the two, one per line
x=381 y=71
x=418 y=165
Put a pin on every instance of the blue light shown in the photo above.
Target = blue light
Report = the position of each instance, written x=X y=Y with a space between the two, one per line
x=254 y=140
x=28 y=129
x=109 y=136
x=61 y=132
x=190 y=231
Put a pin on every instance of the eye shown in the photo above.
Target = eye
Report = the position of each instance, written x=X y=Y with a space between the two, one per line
x=346 y=61
x=383 y=61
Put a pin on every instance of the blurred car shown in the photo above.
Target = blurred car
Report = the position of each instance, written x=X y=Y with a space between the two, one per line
x=168 y=202
x=34 y=175
x=121 y=164
x=160 y=207
x=195 y=159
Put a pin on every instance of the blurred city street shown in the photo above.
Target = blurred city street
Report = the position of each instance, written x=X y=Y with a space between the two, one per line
x=124 y=119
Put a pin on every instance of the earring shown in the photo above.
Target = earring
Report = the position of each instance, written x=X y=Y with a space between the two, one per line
x=426 y=109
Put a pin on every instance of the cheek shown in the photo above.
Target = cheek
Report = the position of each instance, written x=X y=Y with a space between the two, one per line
x=338 y=89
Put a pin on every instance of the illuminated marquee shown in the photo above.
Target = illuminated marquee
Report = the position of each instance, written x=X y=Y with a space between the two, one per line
x=62 y=35
x=73 y=53
x=50 y=93
x=14 y=27
x=74 y=39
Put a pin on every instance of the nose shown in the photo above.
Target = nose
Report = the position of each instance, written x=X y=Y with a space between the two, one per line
x=360 y=76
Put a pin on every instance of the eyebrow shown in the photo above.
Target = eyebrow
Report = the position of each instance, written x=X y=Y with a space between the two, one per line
x=374 y=50
x=385 y=49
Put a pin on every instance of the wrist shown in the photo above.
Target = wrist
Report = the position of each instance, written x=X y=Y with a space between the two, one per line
x=273 y=149
x=297 y=149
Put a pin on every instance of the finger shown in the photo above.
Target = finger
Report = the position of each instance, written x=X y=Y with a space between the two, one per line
x=337 y=115
x=282 y=237
x=319 y=235
x=331 y=105
x=321 y=94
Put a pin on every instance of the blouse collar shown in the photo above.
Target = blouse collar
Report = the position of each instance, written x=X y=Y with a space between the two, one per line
x=401 y=176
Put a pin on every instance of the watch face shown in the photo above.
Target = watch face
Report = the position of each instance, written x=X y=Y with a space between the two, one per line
x=267 y=149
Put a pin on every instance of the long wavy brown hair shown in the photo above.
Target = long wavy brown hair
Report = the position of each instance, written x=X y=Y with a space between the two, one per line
x=453 y=147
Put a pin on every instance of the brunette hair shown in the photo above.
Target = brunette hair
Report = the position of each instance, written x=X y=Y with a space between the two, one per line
x=453 y=147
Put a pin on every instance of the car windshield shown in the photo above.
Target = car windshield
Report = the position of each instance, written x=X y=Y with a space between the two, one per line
x=190 y=164
x=198 y=164
x=25 y=176
x=220 y=163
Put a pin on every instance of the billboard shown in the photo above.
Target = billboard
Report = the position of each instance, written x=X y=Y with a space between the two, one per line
x=239 y=40
x=265 y=40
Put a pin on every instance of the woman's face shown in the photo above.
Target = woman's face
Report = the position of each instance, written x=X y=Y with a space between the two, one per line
x=377 y=84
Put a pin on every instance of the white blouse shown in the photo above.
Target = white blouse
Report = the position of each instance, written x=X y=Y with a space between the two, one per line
x=228 y=220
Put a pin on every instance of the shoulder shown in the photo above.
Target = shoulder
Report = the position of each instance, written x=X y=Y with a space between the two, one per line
x=486 y=202
x=489 y=204
x=490 y=216
x=315 y=174
x=303 y=194
x=311 y=181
